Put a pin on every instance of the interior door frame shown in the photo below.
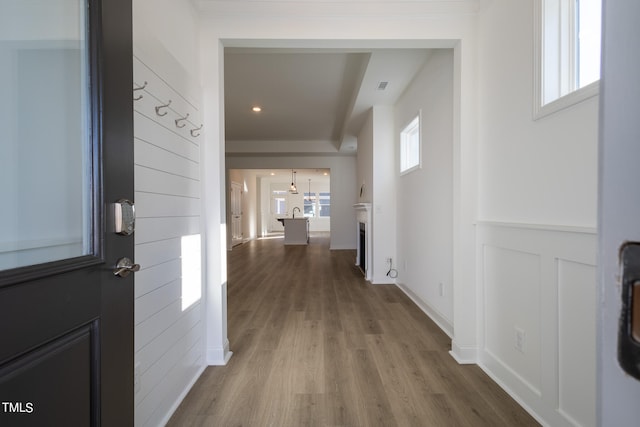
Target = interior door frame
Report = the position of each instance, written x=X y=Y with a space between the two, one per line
x=619 y=202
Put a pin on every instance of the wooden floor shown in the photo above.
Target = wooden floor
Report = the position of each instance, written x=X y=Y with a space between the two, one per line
x=315 y=345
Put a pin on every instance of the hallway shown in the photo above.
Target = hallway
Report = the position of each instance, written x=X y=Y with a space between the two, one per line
x=315 y=345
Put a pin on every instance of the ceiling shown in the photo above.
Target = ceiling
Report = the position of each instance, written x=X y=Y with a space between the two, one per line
x=311 y=95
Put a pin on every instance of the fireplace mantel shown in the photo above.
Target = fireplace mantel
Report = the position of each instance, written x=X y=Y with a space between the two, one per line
x=363 y=215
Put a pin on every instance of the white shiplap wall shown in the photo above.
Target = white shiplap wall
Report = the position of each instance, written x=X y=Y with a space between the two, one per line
x=168 y=318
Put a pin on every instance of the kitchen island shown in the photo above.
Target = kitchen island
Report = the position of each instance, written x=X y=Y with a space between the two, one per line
x=296 y=230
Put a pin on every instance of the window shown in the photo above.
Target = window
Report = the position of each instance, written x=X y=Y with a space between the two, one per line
x=325 y=204
x=279 y=202
x=317 y=205
x=309 y=205
x=568 y=53
x=410 y=146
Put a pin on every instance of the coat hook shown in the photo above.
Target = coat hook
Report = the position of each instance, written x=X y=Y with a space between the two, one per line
x=178 y=125
x=162 y=106
x=193 y=131
x=139 y=88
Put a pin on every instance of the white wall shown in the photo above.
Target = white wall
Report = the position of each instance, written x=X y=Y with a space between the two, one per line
x=551 y=163
x=425 y=196
x=169 y=331
x=384 y=193
x=343 y=191
x=377 y=176
x=536 y=238
x=364 y=161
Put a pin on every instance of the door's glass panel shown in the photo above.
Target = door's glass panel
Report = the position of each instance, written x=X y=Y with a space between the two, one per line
x=45 y=155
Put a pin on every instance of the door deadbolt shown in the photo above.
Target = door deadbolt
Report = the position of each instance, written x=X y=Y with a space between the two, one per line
x=124 y=217
x=629 y=324
x=124 y=267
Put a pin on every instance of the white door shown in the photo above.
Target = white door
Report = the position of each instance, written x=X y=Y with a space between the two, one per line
x=619 y=200
x=236 y=213
x=282 y=204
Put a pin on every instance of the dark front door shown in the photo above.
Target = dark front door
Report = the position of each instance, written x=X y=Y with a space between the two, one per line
x=66 y=157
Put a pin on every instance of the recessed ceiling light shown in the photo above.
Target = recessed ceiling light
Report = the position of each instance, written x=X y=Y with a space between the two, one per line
x=256 y=109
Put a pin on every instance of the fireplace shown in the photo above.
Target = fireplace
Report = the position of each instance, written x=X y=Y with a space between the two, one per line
x=364 y=239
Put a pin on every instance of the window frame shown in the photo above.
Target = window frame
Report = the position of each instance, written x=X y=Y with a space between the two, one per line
x=323 y=195
x=314 y=200
x=409 y=129
x=563 y=36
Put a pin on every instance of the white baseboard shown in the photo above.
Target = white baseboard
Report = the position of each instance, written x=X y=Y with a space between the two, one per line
x=464 y=355
x=219 y=356
x=522 y=402
x=433 y=314
x=181 y=396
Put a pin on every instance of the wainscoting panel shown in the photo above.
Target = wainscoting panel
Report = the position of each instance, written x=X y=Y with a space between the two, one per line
x=538 y=317
x=577 y=341
x=512 y=297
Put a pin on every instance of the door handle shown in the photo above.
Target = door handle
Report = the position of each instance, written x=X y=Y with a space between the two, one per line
x=124 y=267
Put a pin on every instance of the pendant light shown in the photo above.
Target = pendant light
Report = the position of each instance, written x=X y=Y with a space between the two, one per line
x=293 y=189
x=309 y=190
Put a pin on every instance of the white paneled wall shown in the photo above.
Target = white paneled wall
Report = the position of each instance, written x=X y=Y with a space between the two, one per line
x=168 y=331
x=540 y=283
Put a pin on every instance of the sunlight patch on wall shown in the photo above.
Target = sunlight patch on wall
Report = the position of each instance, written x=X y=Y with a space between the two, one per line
x=191 y=270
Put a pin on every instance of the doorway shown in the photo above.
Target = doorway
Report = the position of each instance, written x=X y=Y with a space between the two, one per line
x=236 y=213
x=267 y=196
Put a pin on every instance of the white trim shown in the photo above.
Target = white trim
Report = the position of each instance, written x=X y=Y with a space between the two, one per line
x=181 y=396
x=219 y=356
x=26 y=245
x=409 y=129
x=359 y=9
x=511 y=393
x=464 y=355
x=566 y=101
x=433 y=314
x=542 y=227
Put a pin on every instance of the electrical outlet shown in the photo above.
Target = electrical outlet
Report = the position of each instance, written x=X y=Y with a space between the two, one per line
x=520 y=340
x=441 y=289
x=137 y=378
